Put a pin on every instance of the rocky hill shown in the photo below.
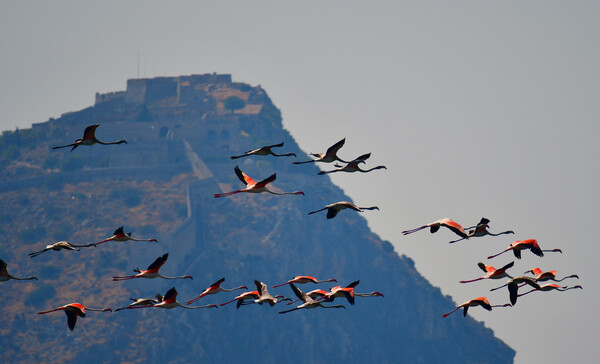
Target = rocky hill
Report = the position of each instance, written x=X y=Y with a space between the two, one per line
x=181 y=132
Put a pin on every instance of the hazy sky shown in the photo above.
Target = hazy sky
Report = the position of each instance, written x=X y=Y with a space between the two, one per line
x=476 y=108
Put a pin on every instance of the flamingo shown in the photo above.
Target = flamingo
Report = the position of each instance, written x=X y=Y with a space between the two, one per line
x=303 y=280
x=89 y=138
x=479 y=301
x=551 y=287
x=152 y=271
x=339 y=291
x=308 y=302
x=491 y=272
x=170 y=301
x=513 y=286
x=59 y=246
x=481 y=230
x=250 y=295
x=266 y=150
x=214 y=289
x=329 y=156
x=334 y=208
x=142 y=302
x=119 y=235
x=5 y=276
x=542 y=276
x=435 y=226
x=255 y=187
x=72 y=310
x=530 y=244
x=353 y=166
x=265 y=296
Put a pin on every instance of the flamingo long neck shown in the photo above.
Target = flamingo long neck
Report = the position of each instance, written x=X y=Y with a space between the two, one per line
x=23 y=278
x=177 y=277
x=231 y=289
x=504 y=232
x=369 y=170
x=283 y=193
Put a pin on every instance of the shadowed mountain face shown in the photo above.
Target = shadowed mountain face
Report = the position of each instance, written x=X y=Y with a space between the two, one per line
x=181 y=132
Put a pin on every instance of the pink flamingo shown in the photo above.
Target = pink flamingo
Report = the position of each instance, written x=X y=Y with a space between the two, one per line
x=304 y=280
x=479 y=301
x=89 y=138
x=435 y=226
x=266 y=150
x=353 y=166
x=119 y=235
x=329 y=156
x=152 y=271
x=214 y=289
x=59 y=246
x=491 y=272
x=542 y=276
x=530 y=244
x=334 y=208
x=255 y=187
x=72 y=310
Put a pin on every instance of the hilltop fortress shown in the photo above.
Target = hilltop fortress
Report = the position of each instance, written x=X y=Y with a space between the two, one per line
x=173 y=109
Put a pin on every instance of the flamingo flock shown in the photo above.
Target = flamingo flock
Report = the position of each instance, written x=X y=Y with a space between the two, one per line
x=317 y=298
x=514 y=283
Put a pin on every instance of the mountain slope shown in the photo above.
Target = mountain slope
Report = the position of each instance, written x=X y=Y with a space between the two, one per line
x=161 y=184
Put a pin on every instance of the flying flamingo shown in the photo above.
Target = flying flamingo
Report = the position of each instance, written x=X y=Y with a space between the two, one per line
x=89 y=138
x=308 y=302
x=152 y=271
x=551 y=287
x=491 y=272
x=255 y=187
x=334 y=208
x=530 y=244
x=119 y=235
x=59 y=246
x=170 y=301
x=481 y=230
x=353 y=166
x=435 y=226
x=339 y=291
x=514 y=284
x=479 y=301
x=72 y=310
x=265 y=296
x=304 y=280
x=542 y=276
x=250 y=295
x=142 y=302
x=214 y=289
x=5 y=276
x=329 y=156
x=266 y=150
